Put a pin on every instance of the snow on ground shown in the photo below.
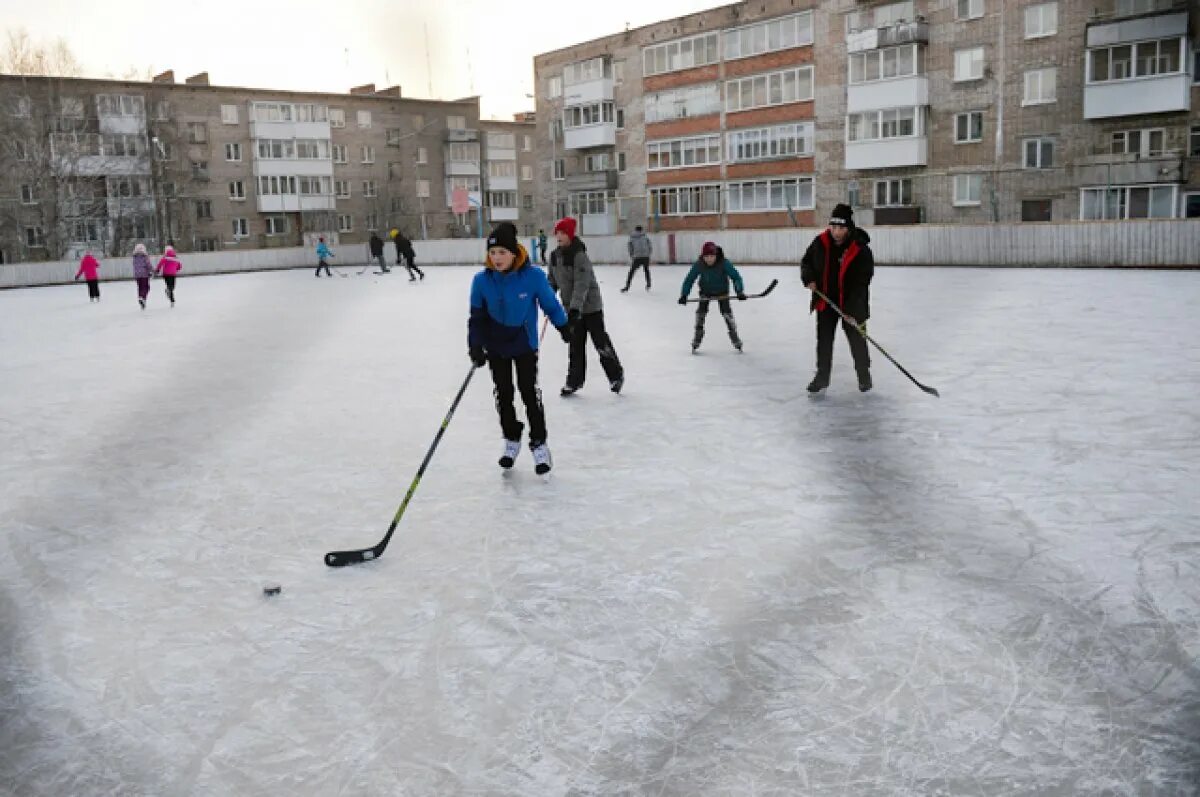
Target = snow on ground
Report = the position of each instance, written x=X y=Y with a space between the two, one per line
x=725 y=588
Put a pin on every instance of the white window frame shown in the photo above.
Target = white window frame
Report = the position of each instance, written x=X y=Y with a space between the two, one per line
x=559 y=169
x=233 y=152
x=737 y=89
x=1194 y=141
x=368 y=153
x=229 y=114
x=456 y=122
x=237 y=191
x=527 y=143
x=1041 y=74
x=699 y=148
x=756 y=144
x=370 y=189
x=1124 y=202
x=1144 y=147
x=689 y=52
x=897 y=191
x=526 y=173
x=241 y=228
x=70 y=107
x=341 y=189
x=769 y=36
x=501 y=199
x=35 y=237
x=705 y=191
x=882 y=119
x=970 y=52
x=682 y=103
x=273 y=224
x=969 y=139
x=364 y=119
x=337 y=117
x=878 y=61
x=345 y=222
x=967 y=180
x=1135 y=58
x=1039 y=144
x=28 y=195
x=968 y=9
x=591 y=114
x=1037 y=14
x=422 y=156
x=422 y=189
x=769 y=188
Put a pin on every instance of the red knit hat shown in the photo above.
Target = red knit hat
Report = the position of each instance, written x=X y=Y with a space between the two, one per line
x=566 y=225
x=709 y=248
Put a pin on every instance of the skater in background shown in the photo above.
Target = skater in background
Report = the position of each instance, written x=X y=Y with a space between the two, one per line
x=169 y=266
x=542 y=245
x=502 y=333
x=89 y=268
x=406 y=253
x=714 y=271
x=571 y=274
x=640 y=250
x=376 y=244
x=141 y=272
x=840 y=264
x=323 y=257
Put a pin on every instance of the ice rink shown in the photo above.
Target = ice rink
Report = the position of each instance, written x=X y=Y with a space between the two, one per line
x=726 y=587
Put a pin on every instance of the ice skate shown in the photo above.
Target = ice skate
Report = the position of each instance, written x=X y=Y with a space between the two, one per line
x=541 y=459
x=512 y=448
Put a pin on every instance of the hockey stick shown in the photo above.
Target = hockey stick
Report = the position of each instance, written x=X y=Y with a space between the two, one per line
x=343 y=558
x=770 y=288
x=863 y=331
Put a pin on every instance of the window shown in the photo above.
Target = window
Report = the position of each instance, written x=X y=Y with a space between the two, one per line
x=501 y=199
x=683 y=103
x=369 y=189
x=237 y=190
x=312 y=149
x=1196 y=67
x=590 y=203
x=341 y=188
x=203 y=208
x=968 y=9
x=527 y=202
x=893 y=13
x=463 y=152
x=501 y=141
x=1041 y=20
x=527 y=143
x=456 y=122
x=967 y=189
x=620 y=161
x=968 y=127
x=888 y=123
x=765 y=37
x=685 y=200
x=502 y=168
x=792 y=193
x=1039 y=153
x=682 y=153
x=853 y=196
x=1036 y=210
x=1194 y=141
x=364 y=119
x=1148 y=143
x=968 y=64
x=368 y=153
x=766 y=143
x=199 y=170
x=339 y=154
x=1041 y=86
x=337 y=117
x=233 y=152
x=1127 y=8
x=372 y=221
x=28 y=197
x=597 y=163
x=162 y=110
x=229 y=116
x=889 y=62
x=120 y=105
x=21 y=107
x=1191 y=206
x=554 y=87
x=20 y=150
x=276 y=148
x=620 y=118
x=618 y=68
x=241 y=228
x=686 y=53
x=307 y=112
x=894 y=193
x=197 y=132
x=71 y=107
x=314 y=186
x=526 y=173
x=35 y=237
x=272 y=112
x=345 y=222
x=587 y=71
x=1123 y=202
x=596 y=113
x=423 y=189
x=277 y=225
x=276 y=186
x=394 y=136
x=777 y=88
x=1144 y=59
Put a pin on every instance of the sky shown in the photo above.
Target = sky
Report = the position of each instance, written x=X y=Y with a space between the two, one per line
x=475 y=46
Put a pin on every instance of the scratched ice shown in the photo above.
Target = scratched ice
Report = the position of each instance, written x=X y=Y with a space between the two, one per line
x=726 y=588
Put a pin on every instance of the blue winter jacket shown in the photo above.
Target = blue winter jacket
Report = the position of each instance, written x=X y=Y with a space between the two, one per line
x=504 y=308
x=323 y=252
x=714 y=279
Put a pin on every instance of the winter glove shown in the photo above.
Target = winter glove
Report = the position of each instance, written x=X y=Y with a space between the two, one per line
x=741 y=296
x=574 y=316
x=683 y=300
x=478 y=358
x=565 y=331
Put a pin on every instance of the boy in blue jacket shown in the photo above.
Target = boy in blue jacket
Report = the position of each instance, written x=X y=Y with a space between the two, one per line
x=714 y=272
x=323 y=255
x=502 y=333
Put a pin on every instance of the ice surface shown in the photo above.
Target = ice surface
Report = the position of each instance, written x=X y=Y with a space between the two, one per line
x=726 y=587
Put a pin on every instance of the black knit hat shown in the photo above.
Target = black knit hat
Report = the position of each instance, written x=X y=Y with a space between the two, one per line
x=505 y=236
x=842 y=214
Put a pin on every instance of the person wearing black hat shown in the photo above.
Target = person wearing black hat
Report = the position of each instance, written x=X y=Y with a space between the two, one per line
x=406 y=254
x=502 y=334
x=376 y=245
x=840 y=264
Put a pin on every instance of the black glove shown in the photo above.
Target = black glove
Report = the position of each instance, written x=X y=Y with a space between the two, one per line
x=565 y=331
x=478 y=358
x=573 y=317
x=741 y=296
x=683 y=300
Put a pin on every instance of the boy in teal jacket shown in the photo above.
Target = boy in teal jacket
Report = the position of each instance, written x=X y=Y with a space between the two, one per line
x=714 y=272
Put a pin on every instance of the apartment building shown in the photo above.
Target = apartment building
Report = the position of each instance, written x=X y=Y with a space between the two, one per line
x=766 y=114
x=106 y=164
x=511 y=166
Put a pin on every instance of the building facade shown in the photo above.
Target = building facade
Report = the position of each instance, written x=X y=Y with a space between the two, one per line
x=767 y=114
x=511 y=167
x=107 y=164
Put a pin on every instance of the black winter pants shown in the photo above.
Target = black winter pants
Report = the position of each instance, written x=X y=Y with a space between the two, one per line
x=502 y=377
x=93 y=289
x=591 y=324
x=638 y=262
x=321 y=264
x=170 y=280
x=827 y=322
x=726 y=313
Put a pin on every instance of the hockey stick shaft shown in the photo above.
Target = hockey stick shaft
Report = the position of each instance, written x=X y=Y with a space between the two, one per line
x=931 y=391
x=728 y=296
x=343 y=558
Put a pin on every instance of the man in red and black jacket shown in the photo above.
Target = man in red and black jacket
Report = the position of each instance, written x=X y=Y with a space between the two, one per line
x=839 y=263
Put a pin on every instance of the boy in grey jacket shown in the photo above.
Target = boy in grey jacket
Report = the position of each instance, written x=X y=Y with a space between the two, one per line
x=640 y=249
x=572 y=276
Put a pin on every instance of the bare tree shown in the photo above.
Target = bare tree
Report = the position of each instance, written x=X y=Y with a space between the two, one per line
x=23 y=56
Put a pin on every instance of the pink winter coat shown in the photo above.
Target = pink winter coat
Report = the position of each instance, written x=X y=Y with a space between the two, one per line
x=168 y=265
x=88 y=268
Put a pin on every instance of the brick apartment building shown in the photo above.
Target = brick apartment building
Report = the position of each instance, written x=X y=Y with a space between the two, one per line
x=767 y=113
x=106 y=164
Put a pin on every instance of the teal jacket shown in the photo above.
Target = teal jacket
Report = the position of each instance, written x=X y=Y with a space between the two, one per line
x=714 y=279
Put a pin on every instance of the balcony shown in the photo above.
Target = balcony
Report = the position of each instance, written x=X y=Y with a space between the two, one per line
x=888 y=153
x=890 y=93
x=600 y=135
x=503 y=214
x=289 y=129
x=501 y=183
x=889 y=36
x=462 y=136
x=462 y=168
x=1135 y=29
x=590 y=91
x=292 y=167
x=294 y=203
x=1121 y=169
x=102 y=165
x=1137 y=96
x=605 y=180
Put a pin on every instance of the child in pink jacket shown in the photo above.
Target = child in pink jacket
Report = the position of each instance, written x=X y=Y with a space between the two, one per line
x=89 y=268
x=169 y=266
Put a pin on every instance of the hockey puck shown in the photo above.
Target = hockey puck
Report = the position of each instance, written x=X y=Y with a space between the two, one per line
x=272 y=589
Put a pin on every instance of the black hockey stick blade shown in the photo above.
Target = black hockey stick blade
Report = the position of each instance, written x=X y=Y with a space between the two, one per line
x=766 y=291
